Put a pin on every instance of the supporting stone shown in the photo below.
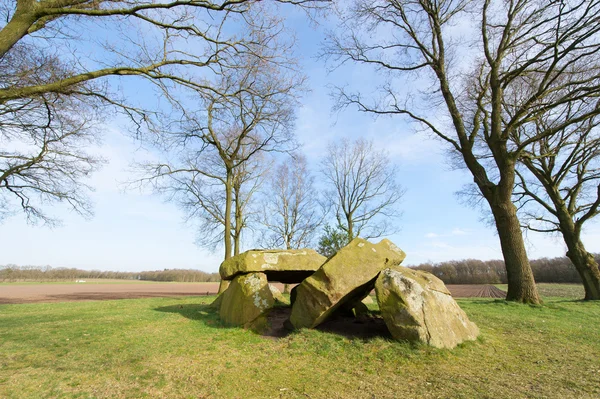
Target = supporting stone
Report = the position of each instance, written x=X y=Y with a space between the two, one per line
x=246 y=301
x=347 y=277
x=416 y=306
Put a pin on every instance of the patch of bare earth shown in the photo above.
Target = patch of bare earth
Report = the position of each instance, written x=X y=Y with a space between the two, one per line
x=476 y=291
x=95 y=292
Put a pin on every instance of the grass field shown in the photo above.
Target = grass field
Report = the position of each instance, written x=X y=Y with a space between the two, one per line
x=176 y=348
x=574 y=291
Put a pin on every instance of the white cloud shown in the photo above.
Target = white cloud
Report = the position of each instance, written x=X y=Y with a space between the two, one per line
x=455 y=232
x=407 y=147
x=130 y=231
x=442 y=245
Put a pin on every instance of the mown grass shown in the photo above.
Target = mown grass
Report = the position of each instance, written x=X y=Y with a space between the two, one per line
x=572 y=291
x=176 y=348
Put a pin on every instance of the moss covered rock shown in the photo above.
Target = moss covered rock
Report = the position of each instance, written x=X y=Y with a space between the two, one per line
x=360 y=309
x=286 y=266
x=278 y=296
x=246 y=301
x=416 y=306
x=347 y=277
x=368 y=300
x=216 y=304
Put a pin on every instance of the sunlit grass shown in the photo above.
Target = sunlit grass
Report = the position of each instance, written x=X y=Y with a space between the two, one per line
x=177 y=348
x=548 y=290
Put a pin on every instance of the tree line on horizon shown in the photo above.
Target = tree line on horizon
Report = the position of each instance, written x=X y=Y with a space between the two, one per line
x=465 y=271
x=475 y=271
x=513 y=94
x=14 y=273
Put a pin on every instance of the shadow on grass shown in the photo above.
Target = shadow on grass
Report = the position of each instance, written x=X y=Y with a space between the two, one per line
x=195 y=311
x=209 y=316
x=362 y=328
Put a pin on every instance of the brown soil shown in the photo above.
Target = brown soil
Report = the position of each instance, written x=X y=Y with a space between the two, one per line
x=91 y=292
x=94 y=292
x=476 y=291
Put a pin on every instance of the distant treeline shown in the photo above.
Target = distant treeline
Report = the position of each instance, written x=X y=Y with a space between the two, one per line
x=468 y=271
x=47 y=273
x=473 y=271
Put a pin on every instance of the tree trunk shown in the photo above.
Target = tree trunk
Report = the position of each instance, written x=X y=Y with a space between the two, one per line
x=584 y=262
x=18 y=26
x=350 y=228
x=521 y=284
x=228 y=203
x=236 y=244
x=227 y=225
x=238 y=223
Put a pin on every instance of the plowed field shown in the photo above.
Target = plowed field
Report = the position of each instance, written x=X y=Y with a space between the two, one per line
x=92 y=292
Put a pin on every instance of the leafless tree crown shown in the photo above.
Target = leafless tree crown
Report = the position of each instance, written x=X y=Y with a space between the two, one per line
x=362 y=188
x=60 y=60
x=562 y=169
x=223 y=136
x=528 y=57
x=291 y=210
x=43 y=140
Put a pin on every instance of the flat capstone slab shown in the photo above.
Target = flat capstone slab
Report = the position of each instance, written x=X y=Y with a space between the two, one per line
x=285 y=266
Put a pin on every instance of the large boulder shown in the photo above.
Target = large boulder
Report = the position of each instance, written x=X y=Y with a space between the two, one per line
x=416 y=306
x=347 y=277
x=286 y=266
x=246 y=301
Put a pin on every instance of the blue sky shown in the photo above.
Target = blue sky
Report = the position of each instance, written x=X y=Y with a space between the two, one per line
x=133 y=230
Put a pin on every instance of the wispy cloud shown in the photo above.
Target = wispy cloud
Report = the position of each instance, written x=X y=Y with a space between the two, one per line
x=442 y=245
x=455 y=232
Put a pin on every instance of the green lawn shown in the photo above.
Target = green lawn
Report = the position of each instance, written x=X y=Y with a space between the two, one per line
x=176 y=348
x=574 y=291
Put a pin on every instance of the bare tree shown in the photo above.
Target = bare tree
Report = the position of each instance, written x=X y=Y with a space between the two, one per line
x=560 y=188
x=363 y=190
x=42 y=144
x=291 y=211
x=552 y=44
x=247 y=180
x=249 y=112
x=207 y=26
x=198 y=187
x=175 y=46
x=252 y=113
